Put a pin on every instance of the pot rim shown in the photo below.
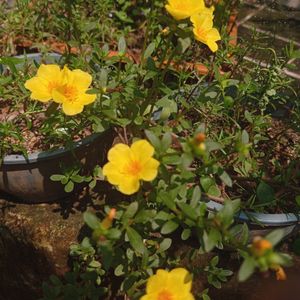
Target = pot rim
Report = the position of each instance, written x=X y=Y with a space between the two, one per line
x=263 y=219
x=16 y=159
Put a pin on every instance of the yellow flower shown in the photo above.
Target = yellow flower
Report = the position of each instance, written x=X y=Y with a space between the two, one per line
x=63 y=86
x=128 y=165
x=72 y=92
x=182 y=9
x=173 y=285
x=204 y=31
x=48 y=78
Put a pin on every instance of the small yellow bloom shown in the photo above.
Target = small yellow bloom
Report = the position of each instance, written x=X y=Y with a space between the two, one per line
x=128 y=165
x=48 y=78
x=173 y=285
x=72 y=92
x=63 y=86
x=204 y=31
x=182 y=9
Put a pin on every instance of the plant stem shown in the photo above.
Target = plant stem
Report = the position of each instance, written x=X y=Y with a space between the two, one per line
x=149 y=23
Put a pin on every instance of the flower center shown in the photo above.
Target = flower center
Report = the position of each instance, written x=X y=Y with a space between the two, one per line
x=165 y=295
x=134 y=168
x=70 y=92
x=201 y=32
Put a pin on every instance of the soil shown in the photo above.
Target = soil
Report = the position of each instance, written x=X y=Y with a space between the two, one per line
x=33 y=140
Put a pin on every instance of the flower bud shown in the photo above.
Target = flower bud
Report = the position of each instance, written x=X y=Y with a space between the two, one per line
x=165 y=31
x=260 y=246
x=200 y=137
x=107 y=222
x=280 y=274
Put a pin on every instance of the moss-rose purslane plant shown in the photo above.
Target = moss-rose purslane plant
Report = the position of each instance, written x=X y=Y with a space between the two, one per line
x=182 y=140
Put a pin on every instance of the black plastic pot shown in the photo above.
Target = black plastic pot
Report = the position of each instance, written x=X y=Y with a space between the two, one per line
x=28 y=179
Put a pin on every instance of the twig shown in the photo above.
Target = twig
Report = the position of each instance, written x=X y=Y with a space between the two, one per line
x=125 y=135
x=214 y=198
x=120 y=136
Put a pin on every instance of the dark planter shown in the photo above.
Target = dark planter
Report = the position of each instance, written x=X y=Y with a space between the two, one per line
x=28 y=179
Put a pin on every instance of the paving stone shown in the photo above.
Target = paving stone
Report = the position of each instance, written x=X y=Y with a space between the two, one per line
x=34 y=243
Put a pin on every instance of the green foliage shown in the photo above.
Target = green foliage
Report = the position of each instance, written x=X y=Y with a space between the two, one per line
x=216 y=275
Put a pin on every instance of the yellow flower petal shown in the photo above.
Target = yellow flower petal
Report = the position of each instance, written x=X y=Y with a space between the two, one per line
x=119 y=154
x=149 y=171
x=181 y=275
x=49 y=72
x=39 y=89
x=40 y=96
x=157 y=282
x=142 y=150
x=184 y=9
x=212 y=45
x=82 y=79
x=129 y=186
x=213 y=34
x=87 y=98
x=204 y=32
x=72 y=109
x=176 y=13
x=110 y=170
x=67 y=76
x=175 y=284
x=203 y=21
x=189 y=296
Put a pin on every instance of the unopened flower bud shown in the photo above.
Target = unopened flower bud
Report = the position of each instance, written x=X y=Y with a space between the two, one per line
x=200 y=137
x=165 y=31
x=260 y=246
x=107 y=222
x=280 y=274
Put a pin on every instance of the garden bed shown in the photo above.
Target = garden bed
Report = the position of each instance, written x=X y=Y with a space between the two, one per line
x=206 y=159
